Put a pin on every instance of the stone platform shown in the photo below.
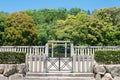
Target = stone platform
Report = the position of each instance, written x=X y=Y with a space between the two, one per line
x=60 y=76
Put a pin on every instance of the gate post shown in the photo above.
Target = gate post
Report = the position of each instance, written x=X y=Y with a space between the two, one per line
x=44 y=63
x=26 y=62
x=74 y=58
x=72 y=50
x=46 y=49
x=74 y=63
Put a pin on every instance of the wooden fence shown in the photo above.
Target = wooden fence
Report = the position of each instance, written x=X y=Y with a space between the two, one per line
x=82 y=62
x=83 y=56
x=34 y=55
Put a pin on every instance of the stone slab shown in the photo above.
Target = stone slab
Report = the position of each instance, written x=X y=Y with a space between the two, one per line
x=61 y=78
x=61 y=74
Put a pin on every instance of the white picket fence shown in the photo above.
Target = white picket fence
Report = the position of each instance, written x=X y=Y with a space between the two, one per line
x=30 y=50
x=83 y=56
x=34 y=55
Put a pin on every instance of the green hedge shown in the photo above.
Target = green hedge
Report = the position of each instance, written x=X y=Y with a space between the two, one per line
x=107 y=56
x=12 y=57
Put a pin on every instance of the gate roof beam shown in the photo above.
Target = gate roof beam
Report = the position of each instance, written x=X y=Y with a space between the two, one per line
x=58 y=41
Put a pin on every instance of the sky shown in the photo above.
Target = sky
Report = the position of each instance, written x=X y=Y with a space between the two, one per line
x=20 y=5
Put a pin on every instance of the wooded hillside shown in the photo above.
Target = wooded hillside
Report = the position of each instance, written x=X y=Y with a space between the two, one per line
x=36 y=27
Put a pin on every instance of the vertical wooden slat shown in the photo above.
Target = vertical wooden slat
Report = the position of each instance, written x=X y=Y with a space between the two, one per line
x=78 y=51
x=33 y=50
x=40 y=63
x=52 y=49
x=80 y=60
x=79 y=66
x=26 y=62
x=31 y=63
x=25 y=49
x=92 y=60
x=43 y=51
x=35 y=63
x=83 y=61
x=87 y=61
x=74 y=63
x=44 y=64
x=65 y=49
x=40 y=51
x=30 y=51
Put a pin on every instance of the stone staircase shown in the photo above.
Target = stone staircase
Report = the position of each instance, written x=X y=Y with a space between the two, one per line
x=59 y=76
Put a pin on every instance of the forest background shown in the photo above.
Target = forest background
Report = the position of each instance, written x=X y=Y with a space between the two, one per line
x=35 y=27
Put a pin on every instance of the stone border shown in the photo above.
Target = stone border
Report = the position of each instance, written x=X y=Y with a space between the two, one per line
x=12 y=71
x=107 y=72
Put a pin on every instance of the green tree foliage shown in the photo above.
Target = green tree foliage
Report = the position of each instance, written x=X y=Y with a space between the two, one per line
x=100 y=28
x=75 y=11
x=36 y=27
x=45 y=20
x=110 y=18
x=2 y=26
x=20 y=30
x=45 y=33
x=47 y=16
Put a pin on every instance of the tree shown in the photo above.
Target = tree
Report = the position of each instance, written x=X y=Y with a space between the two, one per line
x=110 y=15
x=75 y=11
x=82 y=29
x=48 y=16
x=20 y=30
x=71 y=28
x=45 y=20
x=110 y=18
x=2 y=26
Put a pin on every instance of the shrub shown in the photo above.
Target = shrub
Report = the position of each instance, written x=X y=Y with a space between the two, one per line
x=107 y=56
x=12 y=57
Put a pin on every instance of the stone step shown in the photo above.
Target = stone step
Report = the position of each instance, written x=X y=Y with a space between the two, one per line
x=60 y=78
x=61 y=74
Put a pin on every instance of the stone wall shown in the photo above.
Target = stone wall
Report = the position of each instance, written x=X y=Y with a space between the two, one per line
x=18 y=72
x=12 y=71
x=107 y=72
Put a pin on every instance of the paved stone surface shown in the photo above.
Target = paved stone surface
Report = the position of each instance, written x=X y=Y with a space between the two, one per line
x=61 y=78
x=61 y=74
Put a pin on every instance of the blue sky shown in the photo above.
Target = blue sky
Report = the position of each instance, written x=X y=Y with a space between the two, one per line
x=19 y=5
